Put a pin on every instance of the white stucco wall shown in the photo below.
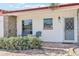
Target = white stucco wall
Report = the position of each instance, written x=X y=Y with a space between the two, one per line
x=57 y=33
x=1 y=26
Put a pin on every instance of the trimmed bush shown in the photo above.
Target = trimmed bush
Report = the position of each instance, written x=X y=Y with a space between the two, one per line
x=20 y=43
x=34 y=42
x=2 y=43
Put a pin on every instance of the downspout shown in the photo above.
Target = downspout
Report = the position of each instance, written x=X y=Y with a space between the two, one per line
x=77 y=25
x=77 y=13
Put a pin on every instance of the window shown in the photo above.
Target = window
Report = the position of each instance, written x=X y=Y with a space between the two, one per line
x=48 y=23
x=69 y=23
x=26 y=27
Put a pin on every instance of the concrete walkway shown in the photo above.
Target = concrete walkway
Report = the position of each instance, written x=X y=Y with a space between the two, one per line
x=59 y=45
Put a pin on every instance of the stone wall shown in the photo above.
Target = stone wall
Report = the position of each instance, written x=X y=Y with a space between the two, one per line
x=10 y=26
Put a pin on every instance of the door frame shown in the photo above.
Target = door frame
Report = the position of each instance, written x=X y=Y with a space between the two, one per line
x=69 y=41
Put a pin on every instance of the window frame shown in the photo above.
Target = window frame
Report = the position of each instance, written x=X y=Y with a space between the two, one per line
x=44 y=26
x=28 y=29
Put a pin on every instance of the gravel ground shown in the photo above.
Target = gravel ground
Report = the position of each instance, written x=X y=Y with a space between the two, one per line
x=33 y=52
x=48 y=49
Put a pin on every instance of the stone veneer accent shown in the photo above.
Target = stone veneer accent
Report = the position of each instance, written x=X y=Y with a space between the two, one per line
x=10 y=26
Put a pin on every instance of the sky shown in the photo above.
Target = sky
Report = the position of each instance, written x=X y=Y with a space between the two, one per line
x=17 y=6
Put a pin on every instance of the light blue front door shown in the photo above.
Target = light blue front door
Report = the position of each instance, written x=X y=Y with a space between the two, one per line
x=69 y=28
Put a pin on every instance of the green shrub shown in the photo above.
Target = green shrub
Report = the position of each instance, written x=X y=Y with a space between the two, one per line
x=2 y=43
x=34 y=42
x=20 y=43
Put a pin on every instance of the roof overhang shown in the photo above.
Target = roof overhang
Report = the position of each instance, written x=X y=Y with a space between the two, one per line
x=64 y=6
